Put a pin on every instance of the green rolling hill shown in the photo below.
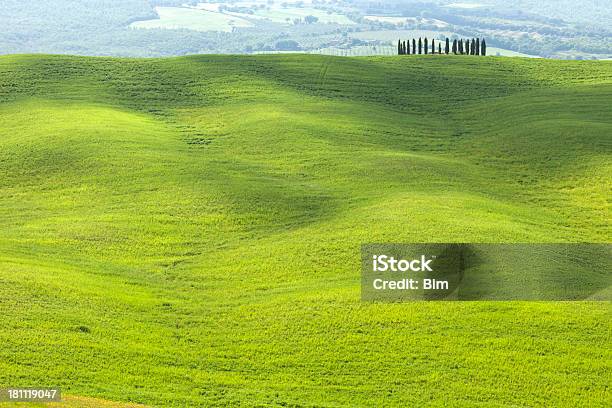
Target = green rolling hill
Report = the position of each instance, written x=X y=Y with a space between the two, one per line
x=187 y=232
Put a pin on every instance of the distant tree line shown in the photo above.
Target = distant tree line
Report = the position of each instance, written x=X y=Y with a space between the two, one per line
x=475 y=46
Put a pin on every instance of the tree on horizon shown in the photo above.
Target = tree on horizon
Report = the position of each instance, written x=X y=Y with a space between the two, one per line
x=447 y=47
x=426 y=45
x=420 y=46
x=483 y=47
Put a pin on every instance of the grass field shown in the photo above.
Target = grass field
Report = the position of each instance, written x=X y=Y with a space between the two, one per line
x=507 y=53
x=288 y=14
x=187 y=232
x=192 y=19
x=207 y=18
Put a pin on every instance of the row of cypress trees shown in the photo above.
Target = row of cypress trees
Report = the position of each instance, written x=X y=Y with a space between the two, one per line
x=475 y=46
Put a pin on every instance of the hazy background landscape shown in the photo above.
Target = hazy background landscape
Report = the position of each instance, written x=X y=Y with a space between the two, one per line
x=560 y=29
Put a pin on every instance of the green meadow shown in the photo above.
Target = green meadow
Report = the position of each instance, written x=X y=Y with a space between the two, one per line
x=187 y=231
x=288 y=14
x=192 y=19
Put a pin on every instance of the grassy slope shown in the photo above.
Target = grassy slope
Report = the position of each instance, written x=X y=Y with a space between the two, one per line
x=201 y=219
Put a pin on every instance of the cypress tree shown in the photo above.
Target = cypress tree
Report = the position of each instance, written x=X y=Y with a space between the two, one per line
x=420 y=46
x=405 y=50
x=426 y=45
x=483 y=47
x=399 y=47
x=440 y=48
x=473 y=46
x=408 y=47
x=433 y=46
x=455 y=47
x=414 y=47
x=478 y=46
x=447 y=47
x=461 y=47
